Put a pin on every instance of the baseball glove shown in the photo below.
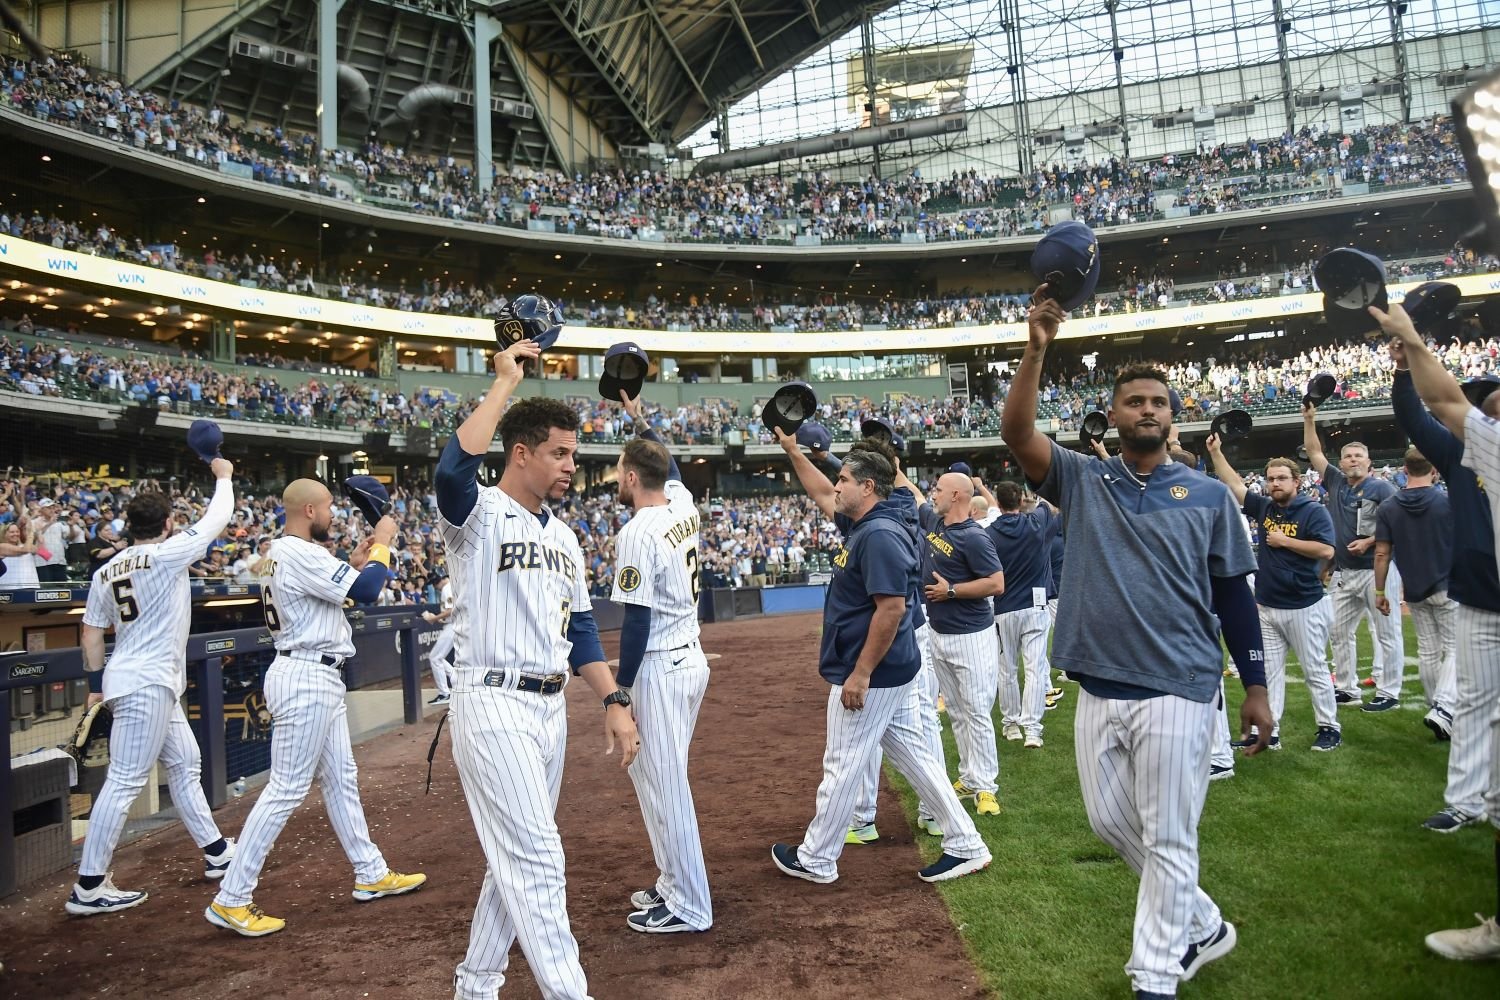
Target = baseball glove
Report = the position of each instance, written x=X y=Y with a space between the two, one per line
x=533 y=317
x=89 y=744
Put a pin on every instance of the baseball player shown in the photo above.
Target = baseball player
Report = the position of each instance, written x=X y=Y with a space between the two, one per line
x=524 y=616
x=960 y=574
x=1023 y=542
x=1478 y=429
x=442 y=646
x=869 y=656
x=142 y=593
x=1353 y=498
x=1475 y=586
x=304 y=608
x=664 y=669
x=1296 y=536
x=1143 y=644
x=1416 y=530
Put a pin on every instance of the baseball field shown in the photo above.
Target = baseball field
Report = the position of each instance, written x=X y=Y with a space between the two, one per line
x=1317 y=858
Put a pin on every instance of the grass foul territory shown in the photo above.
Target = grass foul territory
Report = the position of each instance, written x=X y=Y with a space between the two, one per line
x=1317 y=858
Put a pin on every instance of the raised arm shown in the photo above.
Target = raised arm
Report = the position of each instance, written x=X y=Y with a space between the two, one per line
x=1436 y=385
x=1310 y=442
x=454 y=482
x=1225 y=471
x=633 y=410
x=1432 y=439
x=1033 y=450
x=813 y=482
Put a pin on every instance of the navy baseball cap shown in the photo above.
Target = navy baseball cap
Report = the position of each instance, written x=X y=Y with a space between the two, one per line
x=878 y=428
x=1477 y=390
x=1231 y=425
x=1430 y=303
x=789 y=407
x=815 y=436
x=1319 y=388
x=625 y=368
x=205 y=438
x=1095 y=425
x=1352 y=281
x=962 y=468
x=1067 y=260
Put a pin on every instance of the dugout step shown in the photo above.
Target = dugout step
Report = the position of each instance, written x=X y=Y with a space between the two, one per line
x=41 y=820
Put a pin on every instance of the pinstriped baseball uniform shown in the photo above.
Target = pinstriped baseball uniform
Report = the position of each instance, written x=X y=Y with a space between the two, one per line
x=1482 y=454
x=1289 y=595
x=657 y=568
x=304 y=608
x=1353 y=511
x=1147 y=655
x=437 y=656
x=517 y=577
x=1418 y=525
x=1024 y=544
x=144 y=595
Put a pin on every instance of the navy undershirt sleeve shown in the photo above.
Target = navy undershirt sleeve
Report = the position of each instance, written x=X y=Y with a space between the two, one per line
x=368 y=584
x=583 y=633
x=633 y=636
x=1239 y=619
x=456 y=482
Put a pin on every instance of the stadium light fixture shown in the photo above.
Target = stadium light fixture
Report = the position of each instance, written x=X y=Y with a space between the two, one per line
x=1476 y=113
x=204 y=201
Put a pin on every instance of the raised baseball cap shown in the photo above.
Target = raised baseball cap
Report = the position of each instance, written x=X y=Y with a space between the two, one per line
x=1478 y=389
x=1319 y=388
x=1430 y=303
x=1093 y=428
x=815 y=436
x=625 y=369
x=1067 y=260
x=1231 y=425
x=206 y=439
x=791 y=404
x=1352 y=281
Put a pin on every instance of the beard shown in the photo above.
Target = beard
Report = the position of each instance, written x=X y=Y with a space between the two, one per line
x=319 y=532
x=624 y=498
x=1149 y=439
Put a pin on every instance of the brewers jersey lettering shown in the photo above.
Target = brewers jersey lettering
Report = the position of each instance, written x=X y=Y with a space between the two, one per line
x=304 y=599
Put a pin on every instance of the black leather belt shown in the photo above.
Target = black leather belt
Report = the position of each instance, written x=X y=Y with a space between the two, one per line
x=681 y=648
x=551 y=684
x=326 y=659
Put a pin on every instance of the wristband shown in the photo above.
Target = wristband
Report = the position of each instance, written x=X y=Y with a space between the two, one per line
x=1379 y=593
x=381 y=554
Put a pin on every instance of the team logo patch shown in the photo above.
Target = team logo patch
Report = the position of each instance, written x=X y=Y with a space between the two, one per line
x=1179 y=492
x=630 y=578
x=513 y=330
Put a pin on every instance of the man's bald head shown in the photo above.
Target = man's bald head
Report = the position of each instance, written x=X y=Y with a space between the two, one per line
x=951 y=495
x=979 y=508
x=309 y=509
x=957 y=481
x=301 y=492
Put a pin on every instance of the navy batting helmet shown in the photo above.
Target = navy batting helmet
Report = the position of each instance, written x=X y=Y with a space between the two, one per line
x=528 y=317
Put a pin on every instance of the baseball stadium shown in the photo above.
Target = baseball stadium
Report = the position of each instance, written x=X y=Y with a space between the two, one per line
x=947 y=438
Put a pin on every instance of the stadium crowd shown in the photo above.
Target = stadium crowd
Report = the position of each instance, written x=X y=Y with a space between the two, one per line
x=1310 y=164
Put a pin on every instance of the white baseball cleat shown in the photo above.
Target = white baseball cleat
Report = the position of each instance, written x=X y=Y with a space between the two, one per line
x=1468 y=944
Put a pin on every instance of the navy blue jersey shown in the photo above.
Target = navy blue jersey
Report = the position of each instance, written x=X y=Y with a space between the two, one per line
x=908 y=501
x=1024 y=544
x=959 y=553
x=1353 y=510
x=1473 y=581
x=1419 y=525
x=878 y=558
x=1137 y=586
x=1286 y=579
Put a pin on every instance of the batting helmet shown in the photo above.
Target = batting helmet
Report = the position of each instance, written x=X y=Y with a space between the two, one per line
x=369 y=496
x=528 y=317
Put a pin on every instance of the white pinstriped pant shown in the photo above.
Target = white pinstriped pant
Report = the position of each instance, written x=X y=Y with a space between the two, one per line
x=1143 y=767
x=1221 y=753
x=437 y=660
x=1474 y=754
x=309 y=738
x=149 y=725
x=666 y=698
x=889 y=721
x=932 y=731
x=509 y=748
x=965 y=666
x=1435 y=618
x=1023 y=634
x=1305 y=631
x=1354 y=598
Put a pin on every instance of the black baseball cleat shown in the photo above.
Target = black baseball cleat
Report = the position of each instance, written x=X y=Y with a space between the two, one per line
x=1381 y=704
x=785 y=857
x=659 y=920
x=949 y=867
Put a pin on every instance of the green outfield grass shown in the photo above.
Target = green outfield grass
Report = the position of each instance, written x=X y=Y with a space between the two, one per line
x=1318 y=860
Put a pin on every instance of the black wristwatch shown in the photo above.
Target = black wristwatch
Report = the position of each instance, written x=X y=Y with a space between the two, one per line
x=617 y=698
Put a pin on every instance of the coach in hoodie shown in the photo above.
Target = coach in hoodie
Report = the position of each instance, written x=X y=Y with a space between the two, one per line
x=1474 y=584
x=870 y=658
x=1418 y=532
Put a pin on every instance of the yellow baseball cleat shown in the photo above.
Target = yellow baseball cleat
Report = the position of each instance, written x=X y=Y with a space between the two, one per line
x=248 y=920
x=962 y=790
x=391 y=884
x=985 y=804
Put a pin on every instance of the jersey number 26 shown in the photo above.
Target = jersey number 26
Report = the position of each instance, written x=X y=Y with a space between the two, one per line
x=273 y=620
